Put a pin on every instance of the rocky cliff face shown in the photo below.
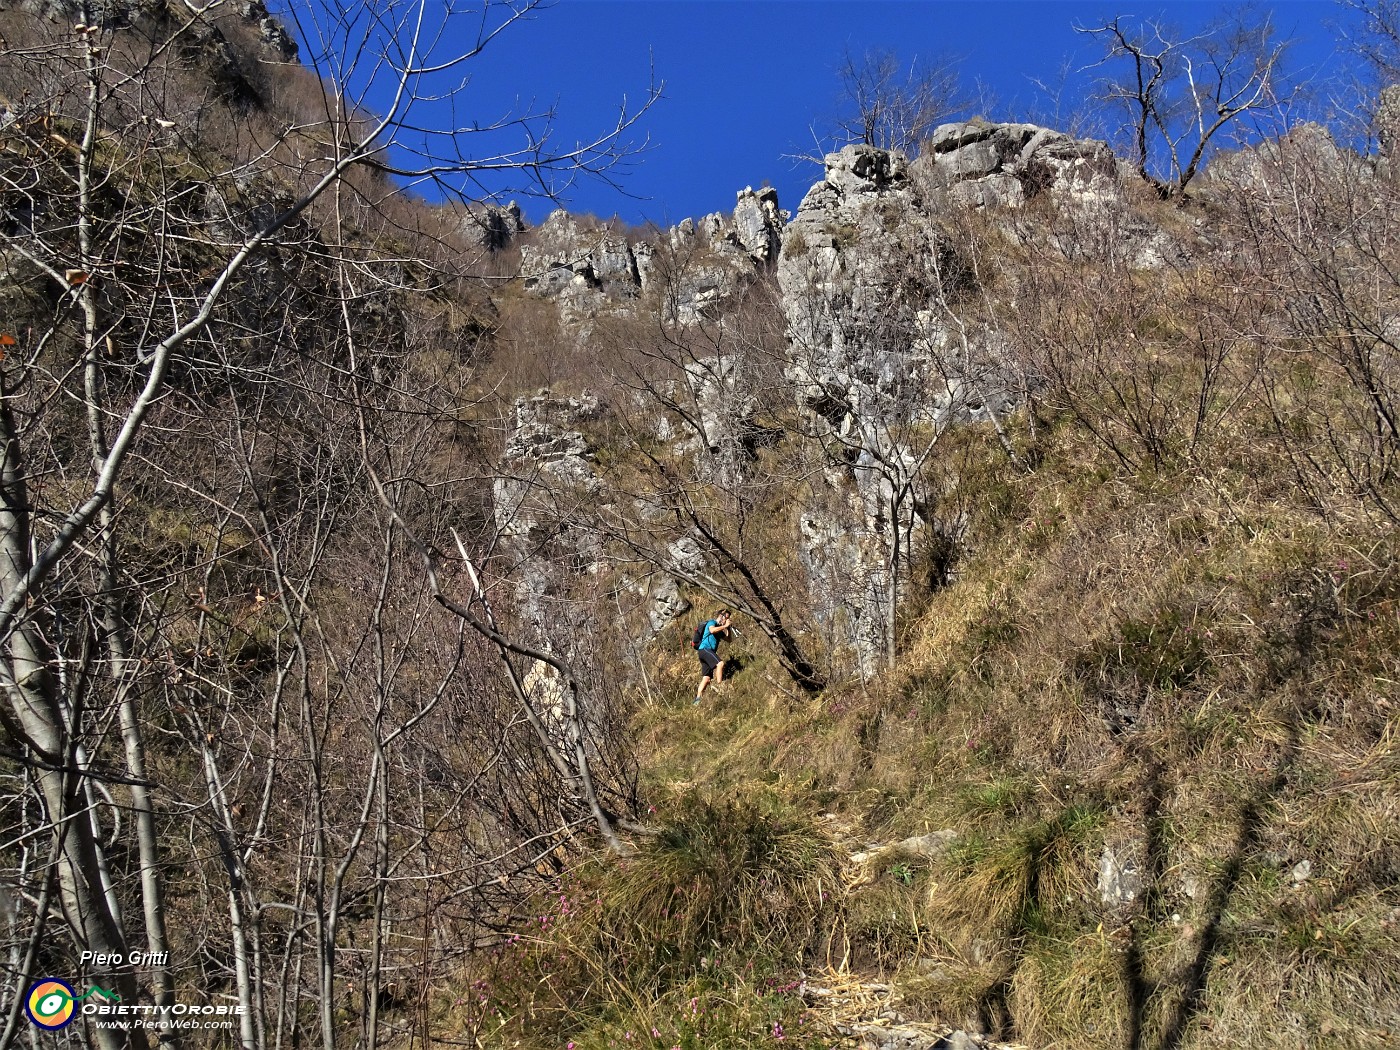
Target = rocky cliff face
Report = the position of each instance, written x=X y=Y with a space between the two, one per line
x=493 y=227
x=588 y=268
x=867 y=278
x=205 y=40
x=1005 y=165
x=546 y=468
x=882 y=351
x=879 y=357
x=837 y=290
x=578 y=267
x=854 y=274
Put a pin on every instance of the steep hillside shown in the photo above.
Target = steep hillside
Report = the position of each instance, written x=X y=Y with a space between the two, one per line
x=1122 y=770
x=348 y=682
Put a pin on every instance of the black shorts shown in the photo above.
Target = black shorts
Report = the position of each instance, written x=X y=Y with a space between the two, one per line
x=709 y=660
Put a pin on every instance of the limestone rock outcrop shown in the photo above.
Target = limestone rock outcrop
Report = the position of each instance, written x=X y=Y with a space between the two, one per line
x=1005 y=165
x=274 y=34
x=838 y=295
x=857 y=269
x=494 y=226
x=577 y=265
x=588 y=268
x=882 y=353
x=758 y=223
x=545 y=454
x=201 y=39
x=1255 y=169
x=1388 y=120
x=546 y=468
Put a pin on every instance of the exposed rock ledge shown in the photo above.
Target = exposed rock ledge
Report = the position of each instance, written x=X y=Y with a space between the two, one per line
x=1008 y=164
x=586 y=267
x=867 y=1013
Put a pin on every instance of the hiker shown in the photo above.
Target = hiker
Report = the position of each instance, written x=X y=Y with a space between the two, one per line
x=708 y=650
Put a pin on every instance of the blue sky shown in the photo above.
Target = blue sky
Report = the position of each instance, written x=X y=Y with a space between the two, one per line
x=745 y=81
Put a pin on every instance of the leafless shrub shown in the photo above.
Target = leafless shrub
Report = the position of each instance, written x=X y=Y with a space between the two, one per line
x=1320 y=225
x=891 y=105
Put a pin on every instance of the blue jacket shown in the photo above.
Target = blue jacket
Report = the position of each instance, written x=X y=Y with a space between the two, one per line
x=710 y=641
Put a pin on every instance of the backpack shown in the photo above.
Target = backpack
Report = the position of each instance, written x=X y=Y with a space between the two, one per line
x=699 y=635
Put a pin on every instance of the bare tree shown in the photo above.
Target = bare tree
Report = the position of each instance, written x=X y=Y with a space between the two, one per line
x=890 y=105
x=1378 y=39
x=1178 y=93
x=1150 y=364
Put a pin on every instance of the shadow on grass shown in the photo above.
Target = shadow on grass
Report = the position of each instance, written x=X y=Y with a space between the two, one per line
x=1195 y=975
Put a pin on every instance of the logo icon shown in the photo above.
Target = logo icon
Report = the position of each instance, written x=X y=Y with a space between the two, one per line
x=50 y=1004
